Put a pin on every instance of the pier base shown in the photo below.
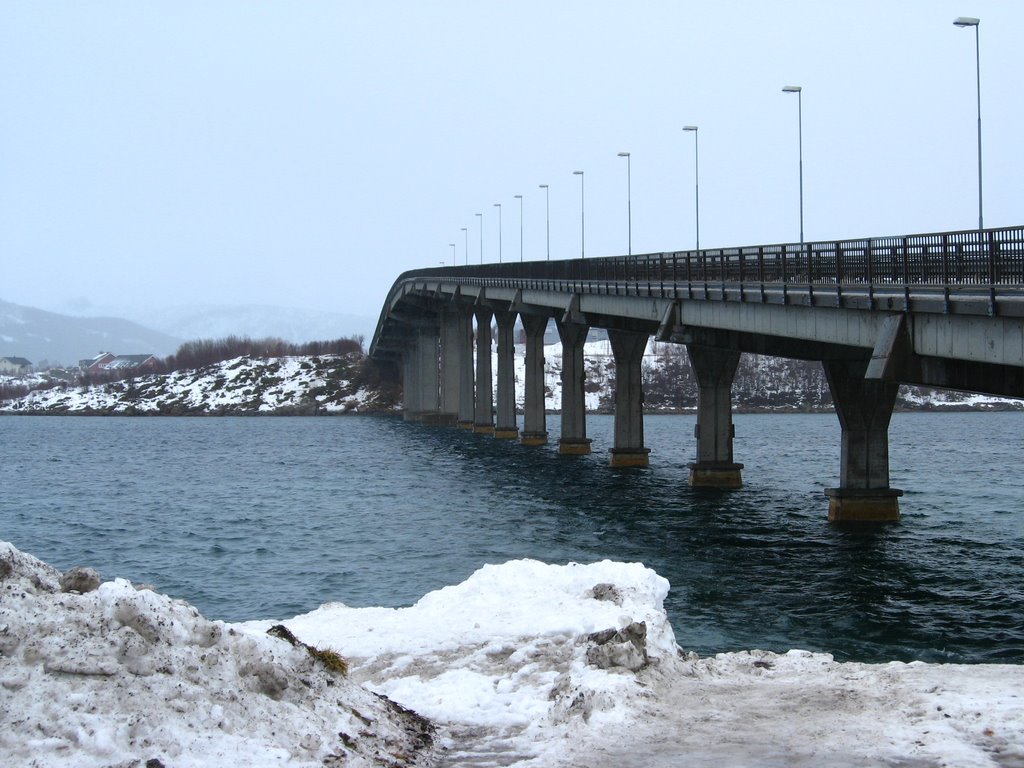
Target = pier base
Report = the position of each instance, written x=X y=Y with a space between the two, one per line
x=483 y=429
x=506 y=433
x=710 y=474
x=574 y=446
x=872 y=505
x=630 y=457
x=533 y=438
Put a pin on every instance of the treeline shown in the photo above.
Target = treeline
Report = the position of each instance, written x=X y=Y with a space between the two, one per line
x=203 y=352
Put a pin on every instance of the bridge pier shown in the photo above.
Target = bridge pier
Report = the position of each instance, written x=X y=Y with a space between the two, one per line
x=628 y=348
x=483 y=416
x=535 y=429
x=864 y=407
x=451 y=366
x=574 y=439
x=506 y=427
x=715 y=369
x=420 y=386
x=464 y=340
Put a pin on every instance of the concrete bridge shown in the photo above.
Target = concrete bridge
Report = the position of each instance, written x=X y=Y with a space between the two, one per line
x=941 y=310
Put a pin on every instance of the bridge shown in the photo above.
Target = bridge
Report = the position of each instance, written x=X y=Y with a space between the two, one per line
x=938 y=310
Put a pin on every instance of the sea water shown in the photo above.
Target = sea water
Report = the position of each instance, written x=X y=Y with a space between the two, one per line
x=270 y=517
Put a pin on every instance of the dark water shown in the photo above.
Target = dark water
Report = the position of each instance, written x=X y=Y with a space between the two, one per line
x=269 y=517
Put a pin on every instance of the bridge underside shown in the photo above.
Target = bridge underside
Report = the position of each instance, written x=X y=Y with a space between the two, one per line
x=870 y=339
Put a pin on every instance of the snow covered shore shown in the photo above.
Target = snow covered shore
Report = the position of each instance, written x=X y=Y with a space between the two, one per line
x=524 y=664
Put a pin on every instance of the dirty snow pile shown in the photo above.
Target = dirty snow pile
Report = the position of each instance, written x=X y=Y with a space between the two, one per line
x=120 y=676
x=523 y=664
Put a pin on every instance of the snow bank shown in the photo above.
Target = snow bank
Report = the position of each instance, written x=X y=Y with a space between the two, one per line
x=125 y=676
x=523 y=664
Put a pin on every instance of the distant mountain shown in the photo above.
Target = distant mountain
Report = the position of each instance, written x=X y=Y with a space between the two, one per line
x=38 y=335
x=258 y=321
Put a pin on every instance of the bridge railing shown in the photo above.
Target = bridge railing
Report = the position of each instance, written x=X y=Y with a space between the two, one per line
x=966 y=258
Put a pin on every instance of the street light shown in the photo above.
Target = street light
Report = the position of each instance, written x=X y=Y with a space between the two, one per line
x=696 y=178
x=547 y=215
x=520 y=199
x=583 y=224
x=454 y=262
x=629 y=202
x=481 y=217
x=498 y=206
x=965 y=21
x=800 y=117
x=465 y=232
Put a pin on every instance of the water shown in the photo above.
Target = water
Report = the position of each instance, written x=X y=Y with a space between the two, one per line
x=270 y=517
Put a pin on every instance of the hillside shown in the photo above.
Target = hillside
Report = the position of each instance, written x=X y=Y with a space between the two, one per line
x=329 y=384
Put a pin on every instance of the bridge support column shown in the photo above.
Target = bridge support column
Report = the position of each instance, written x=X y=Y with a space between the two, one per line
x=864 y=408
x=410 y=383
x=628 y=348
x=505 y=427
x=464 y=340
x=535 y=428
x=715 y=370
x=483 y=417
x=427 y=375
x=574 y=439
x=451 y=367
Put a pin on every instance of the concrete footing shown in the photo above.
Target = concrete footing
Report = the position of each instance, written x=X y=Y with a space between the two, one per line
x=534 y=438
x=464 y=424
x=629 y=457
x=722 y=475
x=872 y=505
x=438 y=419
x=483 y=429
x=506 y=433
x=574 y=446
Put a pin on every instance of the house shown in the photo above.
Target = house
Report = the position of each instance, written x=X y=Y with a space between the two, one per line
x=95 y=364
x=15 y=365
x=131 y=363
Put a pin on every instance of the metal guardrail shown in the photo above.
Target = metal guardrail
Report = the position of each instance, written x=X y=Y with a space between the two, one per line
x=971 y=258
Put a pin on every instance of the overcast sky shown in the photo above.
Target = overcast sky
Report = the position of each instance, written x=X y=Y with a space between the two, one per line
x=304 y=153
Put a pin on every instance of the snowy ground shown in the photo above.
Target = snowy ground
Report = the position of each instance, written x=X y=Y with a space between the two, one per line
x=523 y=664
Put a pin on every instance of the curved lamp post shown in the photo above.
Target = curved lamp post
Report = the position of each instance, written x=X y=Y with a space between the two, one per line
x=547 y=215
x=465 y=232
x=965 y=21
x=583 y=222
x=800 y=117
x=696 y=179
x=498 y=206
x=481 y=217
x=629 y=202
x=520 y=199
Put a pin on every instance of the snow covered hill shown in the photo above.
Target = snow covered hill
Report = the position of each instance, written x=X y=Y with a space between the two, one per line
x=339 y=384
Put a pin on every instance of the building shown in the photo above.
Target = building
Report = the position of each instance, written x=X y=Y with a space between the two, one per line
x=15 y=366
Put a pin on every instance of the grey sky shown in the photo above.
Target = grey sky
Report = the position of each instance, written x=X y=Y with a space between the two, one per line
x=304 y=153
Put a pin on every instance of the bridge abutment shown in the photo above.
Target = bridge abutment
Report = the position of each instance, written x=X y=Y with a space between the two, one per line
x=483 y=416
x=535 y=429
x=574 y=439
x=628 y=348
x=505 y=427
x=715 y=370
x=864 y=408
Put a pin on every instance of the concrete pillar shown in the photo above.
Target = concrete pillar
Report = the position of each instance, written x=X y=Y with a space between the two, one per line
x=864 y=408
x=628 y=348
x=574 y=407
x=715 y=369
x=464 y=339
x=483 y=417
x=427 y=374
x=410 y=383
x=535 y=428
x=505 y=427
x=451 y=367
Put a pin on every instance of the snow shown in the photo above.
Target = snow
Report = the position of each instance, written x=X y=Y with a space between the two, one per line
x=511 y=665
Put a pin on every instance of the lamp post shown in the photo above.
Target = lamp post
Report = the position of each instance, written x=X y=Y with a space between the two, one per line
x=629 y=202
x=583 y=221
x=800 y=117
x=547 y=215
x=465 y=232
x=481 y=217
x=965 y=21
x=498 y=206
x=696 y=179
x=454 y=262
x=520 y=199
